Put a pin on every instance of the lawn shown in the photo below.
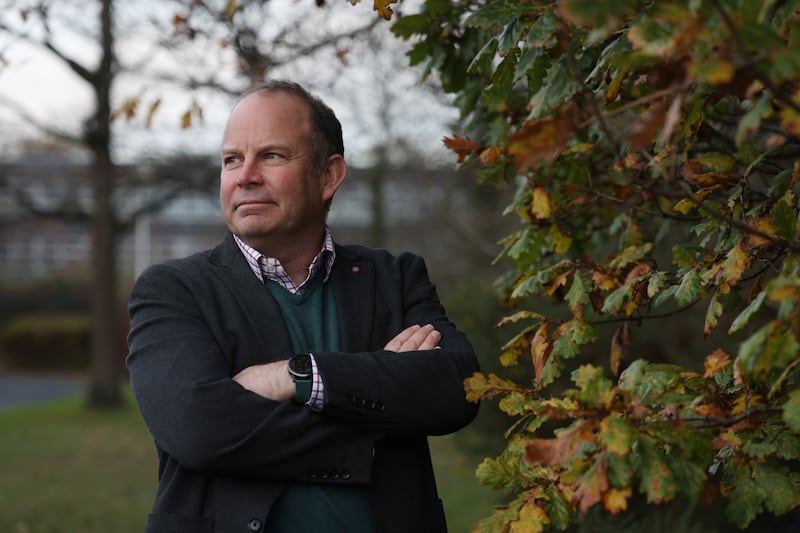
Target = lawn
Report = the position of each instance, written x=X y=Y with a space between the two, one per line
x=66 y=469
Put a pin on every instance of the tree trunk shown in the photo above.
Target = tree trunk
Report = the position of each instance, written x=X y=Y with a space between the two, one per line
x=106 y=356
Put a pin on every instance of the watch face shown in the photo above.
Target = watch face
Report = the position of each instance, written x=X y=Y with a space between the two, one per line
x=300 y=365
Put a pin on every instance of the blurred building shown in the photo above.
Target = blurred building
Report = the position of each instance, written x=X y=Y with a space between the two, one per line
x=432 y=212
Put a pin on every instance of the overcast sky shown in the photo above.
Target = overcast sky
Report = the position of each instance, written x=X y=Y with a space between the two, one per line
x=370 y=84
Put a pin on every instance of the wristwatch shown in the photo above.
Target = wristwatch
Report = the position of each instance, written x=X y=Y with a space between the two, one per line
x=301 y=371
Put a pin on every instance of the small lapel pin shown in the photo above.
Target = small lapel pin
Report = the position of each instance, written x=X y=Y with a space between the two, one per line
x=356 y=270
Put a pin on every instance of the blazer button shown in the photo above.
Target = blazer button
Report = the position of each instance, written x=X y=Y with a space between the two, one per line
x=334 y=474
x=345 y=474
x=380 y=407
x=313 y=474
x=254 y=524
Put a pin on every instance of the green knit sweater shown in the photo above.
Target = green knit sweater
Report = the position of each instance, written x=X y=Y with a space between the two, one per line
x=313 y=325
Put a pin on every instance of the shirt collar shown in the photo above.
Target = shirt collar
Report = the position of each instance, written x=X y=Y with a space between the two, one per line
x=269 y=268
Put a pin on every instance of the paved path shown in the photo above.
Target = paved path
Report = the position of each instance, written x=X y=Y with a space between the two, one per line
x=19 y=390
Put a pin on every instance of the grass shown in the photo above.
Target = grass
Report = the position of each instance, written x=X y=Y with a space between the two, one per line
x=66 y=469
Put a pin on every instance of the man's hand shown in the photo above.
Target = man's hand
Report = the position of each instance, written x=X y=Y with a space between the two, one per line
x=415 y=338
x=270 y=380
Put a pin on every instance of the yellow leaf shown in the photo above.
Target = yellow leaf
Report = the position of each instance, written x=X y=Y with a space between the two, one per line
x=683 y=207
x=383 y=9
x=615 y=500
x=561 y=241
x=128 y=109
x=604 y=282
x=491 y=154
x=540 y=352
x=480 y=387
x=186 y=120
x=151 y=112
x=230 y=9
x=785 y=292
x=714 y=72
x=716 y=362
x=763 y=229
x=541 y=204
x=744 y=402
x=734 y=265
x=532 y=519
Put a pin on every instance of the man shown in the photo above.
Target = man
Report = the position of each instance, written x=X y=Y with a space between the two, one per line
x=290 y=382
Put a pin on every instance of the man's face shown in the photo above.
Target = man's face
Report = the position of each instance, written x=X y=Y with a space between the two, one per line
x=267 y=193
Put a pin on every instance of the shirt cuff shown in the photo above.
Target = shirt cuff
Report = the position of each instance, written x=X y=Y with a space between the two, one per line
x=317 y=399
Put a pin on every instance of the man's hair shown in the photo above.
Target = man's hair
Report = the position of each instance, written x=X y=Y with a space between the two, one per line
x=326 y=131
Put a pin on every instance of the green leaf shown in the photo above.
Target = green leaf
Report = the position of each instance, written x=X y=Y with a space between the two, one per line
x=594 y=389
x=498 y=13
x=791 y=411
x=749 y=312
x=502 y=81
x=751 y=121
x=617 y=435
x=690 y=288
x=713 y=313
x=631 y=254
x=781 y=494
x=744 y=499
x=409 y=25
x=656 y=479
x=784 y=217
x=558 y=87
x=578 y=294
x=557 y=507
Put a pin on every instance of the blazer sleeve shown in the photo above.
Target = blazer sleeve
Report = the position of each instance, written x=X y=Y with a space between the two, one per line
x=407 y=393
x=184 y=348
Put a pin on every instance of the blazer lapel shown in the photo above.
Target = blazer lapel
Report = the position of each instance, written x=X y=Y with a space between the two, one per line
x=265 y=319
x=353 y=284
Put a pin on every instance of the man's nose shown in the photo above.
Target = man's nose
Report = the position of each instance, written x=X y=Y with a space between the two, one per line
x=250 y=174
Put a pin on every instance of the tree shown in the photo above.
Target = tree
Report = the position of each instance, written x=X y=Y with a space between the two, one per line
x=655 y=149
x=132 y=63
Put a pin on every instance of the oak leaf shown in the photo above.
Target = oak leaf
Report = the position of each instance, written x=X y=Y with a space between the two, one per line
x=463 y=147
x=562 y=448
x=616 y=501
x=716 y=362
x=383 y=9
x=480 y=387
x=540 y=141
x=590 y=488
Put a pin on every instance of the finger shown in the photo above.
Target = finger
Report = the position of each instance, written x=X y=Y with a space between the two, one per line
x=397 y=342
x=423 y=338
x=431 y=341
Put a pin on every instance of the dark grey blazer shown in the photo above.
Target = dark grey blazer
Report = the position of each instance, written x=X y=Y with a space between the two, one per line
x=226 y=452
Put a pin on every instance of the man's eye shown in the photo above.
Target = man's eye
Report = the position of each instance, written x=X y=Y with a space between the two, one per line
x=230 y=160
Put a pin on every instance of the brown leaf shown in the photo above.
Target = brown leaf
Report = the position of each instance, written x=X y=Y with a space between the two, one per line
x=463 y=147
x=383 y=9
x=540 y=141
x=618 y=342
x=642 y=133
x=549 y=452
x=540 y=351
x=591 y=486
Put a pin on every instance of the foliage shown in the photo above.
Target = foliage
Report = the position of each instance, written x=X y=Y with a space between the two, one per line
x=654 y=145
x=46 y=341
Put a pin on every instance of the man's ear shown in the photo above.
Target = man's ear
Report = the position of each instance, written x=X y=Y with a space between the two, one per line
x=333 y=175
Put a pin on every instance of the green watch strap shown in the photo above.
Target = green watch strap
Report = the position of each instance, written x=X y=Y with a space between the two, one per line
x=302 y=390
